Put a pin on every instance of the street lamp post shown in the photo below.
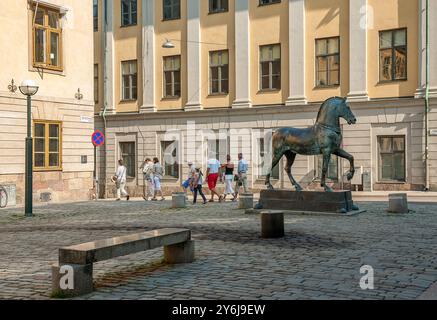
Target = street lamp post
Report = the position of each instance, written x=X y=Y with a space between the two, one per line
x=28 y=88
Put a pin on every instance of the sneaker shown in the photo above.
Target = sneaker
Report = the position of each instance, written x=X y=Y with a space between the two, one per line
x=212 y=200
x=117 y=200
x=162 y=199
x=205 y=202
x=127 y=198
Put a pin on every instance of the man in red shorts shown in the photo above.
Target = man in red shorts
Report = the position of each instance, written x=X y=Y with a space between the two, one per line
x=212 y=175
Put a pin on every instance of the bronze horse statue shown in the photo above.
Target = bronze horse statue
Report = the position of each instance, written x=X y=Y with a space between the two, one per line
x=323 y=138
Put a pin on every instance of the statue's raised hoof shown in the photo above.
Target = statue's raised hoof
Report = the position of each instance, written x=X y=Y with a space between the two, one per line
x=355 y=208
x=343 y=211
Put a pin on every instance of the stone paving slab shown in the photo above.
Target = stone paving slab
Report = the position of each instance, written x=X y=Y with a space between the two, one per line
x=319 y=258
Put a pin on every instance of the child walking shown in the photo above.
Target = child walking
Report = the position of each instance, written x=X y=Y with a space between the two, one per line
x=197 y=186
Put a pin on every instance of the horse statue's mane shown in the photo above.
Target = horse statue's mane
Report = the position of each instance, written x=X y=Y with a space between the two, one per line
x=327 y=104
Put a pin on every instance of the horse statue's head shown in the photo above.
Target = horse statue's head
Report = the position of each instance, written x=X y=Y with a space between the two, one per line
x=337 y=107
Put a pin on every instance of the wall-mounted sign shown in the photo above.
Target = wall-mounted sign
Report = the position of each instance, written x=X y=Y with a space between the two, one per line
x=98 y=138
x=86 y=119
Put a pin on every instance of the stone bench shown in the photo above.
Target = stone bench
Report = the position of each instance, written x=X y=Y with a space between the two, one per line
x=73 y=275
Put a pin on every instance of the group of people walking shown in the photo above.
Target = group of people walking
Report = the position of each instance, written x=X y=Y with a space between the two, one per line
x=233 y=176
x=227 y=173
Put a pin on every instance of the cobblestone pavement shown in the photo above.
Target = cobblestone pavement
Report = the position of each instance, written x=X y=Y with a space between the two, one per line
x=320 y=257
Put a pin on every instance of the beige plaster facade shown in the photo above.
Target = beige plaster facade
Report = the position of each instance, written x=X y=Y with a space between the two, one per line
x=55 y=100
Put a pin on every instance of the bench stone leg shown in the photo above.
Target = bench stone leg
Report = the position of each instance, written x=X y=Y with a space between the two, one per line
x=75 y=280
x=179 y=253
x=272 y=224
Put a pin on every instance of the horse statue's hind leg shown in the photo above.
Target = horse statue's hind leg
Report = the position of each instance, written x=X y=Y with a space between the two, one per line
x=325 y=166
x=290 y=160
x=277 y=155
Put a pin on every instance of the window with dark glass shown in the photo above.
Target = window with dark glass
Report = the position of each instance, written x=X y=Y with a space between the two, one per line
x=391 y=158
x=96 y=83
x=332 y=168
x=263 y=2
x=264 y=161
x=47 y=145
x=270 y=67
x=219 y=72
x=170 y=158
x=218 y=6
x=171 y=9
x=172 y=77
x=95 y=15
x=47 y=39
x=129 y=80
x=393 y=55
x=128 y=12
x=127 y=154
x=328 y=62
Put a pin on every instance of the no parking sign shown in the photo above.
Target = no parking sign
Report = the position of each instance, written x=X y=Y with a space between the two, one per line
x=98 y=138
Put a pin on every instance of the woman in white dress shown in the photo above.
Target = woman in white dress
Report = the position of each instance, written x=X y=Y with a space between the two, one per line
x=228 y=169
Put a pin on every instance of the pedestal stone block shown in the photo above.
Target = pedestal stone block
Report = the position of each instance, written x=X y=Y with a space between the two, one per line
x=76 y=280
x=245 y=201
x=179 y=253
x=272 y=224
x=398 y=203
x=178 y=200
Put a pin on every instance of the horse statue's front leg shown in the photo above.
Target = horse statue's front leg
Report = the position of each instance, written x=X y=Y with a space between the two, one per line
x=325 y=166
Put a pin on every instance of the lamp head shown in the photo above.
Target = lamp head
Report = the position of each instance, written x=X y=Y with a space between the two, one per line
x=168 y=44
x=28 y=87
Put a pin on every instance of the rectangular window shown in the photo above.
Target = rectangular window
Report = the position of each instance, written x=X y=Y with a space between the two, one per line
x=393 y=55
x=172 y=77
x=127 y=154
x=171 y=9
x=270 y=67
x=264 y=2
x=47 y=145
x=169 y=158
x=128 y=12
x=264 y=164
x=332 y=168
x=96 y=83
x=95 y=15
x=129 y=80
x=391 y=158
x=217 y=149
x=328 y=62
x=216 y=6
x=219 y=72
x=47 y=39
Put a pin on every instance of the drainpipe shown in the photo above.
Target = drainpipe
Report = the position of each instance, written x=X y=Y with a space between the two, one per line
x=105 y=90
x=427 y=101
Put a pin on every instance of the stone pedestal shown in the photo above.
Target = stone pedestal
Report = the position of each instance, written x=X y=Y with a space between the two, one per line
x=75 y=280
x=178 y=200
x=179 y=253
x=311 y=201
x=245 y=201
x=398 y=203
x=272 y=224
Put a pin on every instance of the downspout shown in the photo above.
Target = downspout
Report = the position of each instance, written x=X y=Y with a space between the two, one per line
x=427 y=101
x=105 y=90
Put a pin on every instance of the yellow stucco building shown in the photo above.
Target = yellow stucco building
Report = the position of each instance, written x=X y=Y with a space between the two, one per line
x=51 y=43
x=182 y=78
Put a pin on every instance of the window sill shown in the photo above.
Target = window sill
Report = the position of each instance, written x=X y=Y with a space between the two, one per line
x=268 y=90
x=268 y=4
x=218 y=11
x=46 y=169
x=128 y=101
x=170 y=98
x=215 y=95
x=40 y=68
x=170 y=19
x=332 y=86
x=129 y=25
x=382 y=82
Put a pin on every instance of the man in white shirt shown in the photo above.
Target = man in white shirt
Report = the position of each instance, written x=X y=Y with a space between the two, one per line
x=243 y=167
x=121 y=181
x=212 y=175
